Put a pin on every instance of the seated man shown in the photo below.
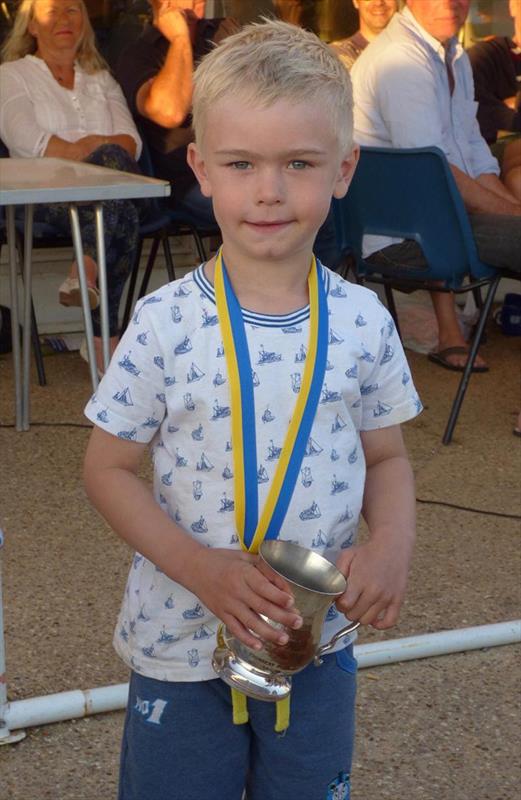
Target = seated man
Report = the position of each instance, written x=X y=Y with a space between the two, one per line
x=374 y=15
x=413 y=88
x=155 y=73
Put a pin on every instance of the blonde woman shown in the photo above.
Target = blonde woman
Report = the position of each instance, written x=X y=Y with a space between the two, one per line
x=57 y=99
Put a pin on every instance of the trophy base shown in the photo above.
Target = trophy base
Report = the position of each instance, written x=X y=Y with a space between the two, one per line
x=251 y=681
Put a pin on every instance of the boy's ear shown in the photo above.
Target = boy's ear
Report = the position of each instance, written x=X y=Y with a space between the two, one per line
x=197 y=163
x=346 y=171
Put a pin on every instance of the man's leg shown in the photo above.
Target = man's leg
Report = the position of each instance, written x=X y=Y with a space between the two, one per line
x=498 y=239
x=450 y=335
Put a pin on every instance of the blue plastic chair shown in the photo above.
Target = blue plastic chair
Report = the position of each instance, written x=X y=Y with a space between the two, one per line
x=412 y=194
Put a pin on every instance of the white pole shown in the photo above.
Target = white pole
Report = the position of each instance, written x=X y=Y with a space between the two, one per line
x=72 y=705
x=6 y=736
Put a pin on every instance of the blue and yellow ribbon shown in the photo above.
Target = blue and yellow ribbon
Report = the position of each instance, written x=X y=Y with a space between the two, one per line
x=251 y=530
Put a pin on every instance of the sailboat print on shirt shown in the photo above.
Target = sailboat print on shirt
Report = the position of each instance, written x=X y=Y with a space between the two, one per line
x=338 y=486
x=183 y=291
x=254 y=378
x=129 y=365
x=227 y=473
x=176 y=315
x=184 y=347
x=194 y=613
x=219 y=379
x=226 y=504
x=203 y=632
x=197 y=433
x=306 y=476
x=219 y=412
x=338 y=424
x=204 y=464
x=382 y=409
x=313 y=512
x=295 y=382
x=189 y=403
x=301 y=355
x=209 y=319
x=262 y=475
x=197 y=489
x=273 y=451
x=200 y=526
x=334 y=338
x=195 y=373
x=267 y=416
x=312 y=448
x=329 y=396
x=268 y=357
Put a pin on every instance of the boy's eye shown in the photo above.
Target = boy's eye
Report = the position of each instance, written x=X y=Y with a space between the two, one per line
x=298 y=164
x=240 y=164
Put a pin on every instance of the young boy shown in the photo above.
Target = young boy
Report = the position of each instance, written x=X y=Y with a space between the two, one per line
x=210 y=372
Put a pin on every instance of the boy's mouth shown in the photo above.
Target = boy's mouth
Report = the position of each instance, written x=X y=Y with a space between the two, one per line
x=268 y=225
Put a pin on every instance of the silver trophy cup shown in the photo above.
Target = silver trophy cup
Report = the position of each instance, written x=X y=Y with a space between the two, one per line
x=266 y=674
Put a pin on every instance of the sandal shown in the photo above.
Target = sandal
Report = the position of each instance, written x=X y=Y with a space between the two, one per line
x=441 y=357
x=70 y=294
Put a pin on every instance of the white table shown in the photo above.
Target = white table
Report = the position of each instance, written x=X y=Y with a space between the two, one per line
x=29 y=181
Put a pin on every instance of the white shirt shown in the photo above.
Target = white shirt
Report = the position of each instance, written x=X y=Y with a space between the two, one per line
x=167 y=384
x=402 y=99
x=34 y=107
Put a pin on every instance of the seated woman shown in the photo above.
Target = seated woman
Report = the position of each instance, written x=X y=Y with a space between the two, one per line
x=57 y=99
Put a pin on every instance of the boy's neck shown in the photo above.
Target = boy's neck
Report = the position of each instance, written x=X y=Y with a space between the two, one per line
x=269 y=287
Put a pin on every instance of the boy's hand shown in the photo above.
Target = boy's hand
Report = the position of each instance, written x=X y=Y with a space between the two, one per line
x=376 y=575
x=229 y=583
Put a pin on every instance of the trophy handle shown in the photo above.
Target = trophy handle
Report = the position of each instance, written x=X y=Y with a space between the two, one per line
x=326 y=648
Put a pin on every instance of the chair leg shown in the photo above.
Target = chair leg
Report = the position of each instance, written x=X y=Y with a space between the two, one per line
x=37 y=350
x=391 y=305
x=169 y=261
x=476 y=341
x=131 y=289
x=150 y=265
x=199 y=244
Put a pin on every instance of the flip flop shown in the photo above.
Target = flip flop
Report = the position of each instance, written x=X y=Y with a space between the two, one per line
x=70 y=295
x=441 y=359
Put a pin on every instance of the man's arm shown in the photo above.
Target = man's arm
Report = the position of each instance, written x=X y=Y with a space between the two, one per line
x=376 y=571
x=485 y=194
x=226 y=581
x=166 y=98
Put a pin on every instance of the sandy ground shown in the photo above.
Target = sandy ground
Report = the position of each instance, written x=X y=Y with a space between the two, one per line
x=445 y=727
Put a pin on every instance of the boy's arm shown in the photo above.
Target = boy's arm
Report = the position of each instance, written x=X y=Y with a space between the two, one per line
x=226 y=581
x=376 y=571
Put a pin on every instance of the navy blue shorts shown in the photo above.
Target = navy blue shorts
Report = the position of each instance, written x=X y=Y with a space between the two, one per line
x=180 y=743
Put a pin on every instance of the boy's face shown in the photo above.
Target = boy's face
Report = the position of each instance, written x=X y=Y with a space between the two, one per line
x=271 y=173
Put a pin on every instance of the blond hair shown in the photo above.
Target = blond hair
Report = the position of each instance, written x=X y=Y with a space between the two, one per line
x=274 y=60
x=20 y=42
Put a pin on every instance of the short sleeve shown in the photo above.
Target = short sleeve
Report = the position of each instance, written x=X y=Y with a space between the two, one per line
x=130 y=402
x=387 y=390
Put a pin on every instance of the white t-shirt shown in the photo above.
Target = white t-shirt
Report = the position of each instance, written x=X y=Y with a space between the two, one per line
x=167 y=384
x=34 y=107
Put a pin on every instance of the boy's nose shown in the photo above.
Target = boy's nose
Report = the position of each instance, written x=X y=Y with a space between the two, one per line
x=270 y=187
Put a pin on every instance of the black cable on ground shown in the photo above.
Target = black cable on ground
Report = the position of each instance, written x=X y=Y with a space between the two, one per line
x=468 y=508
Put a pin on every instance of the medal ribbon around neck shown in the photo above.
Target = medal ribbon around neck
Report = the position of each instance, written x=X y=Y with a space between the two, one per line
x=251 y=530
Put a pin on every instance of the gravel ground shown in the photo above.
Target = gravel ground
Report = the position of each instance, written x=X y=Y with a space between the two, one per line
x=446 y=727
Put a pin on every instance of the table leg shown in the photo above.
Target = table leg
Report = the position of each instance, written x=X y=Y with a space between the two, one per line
x=27 y=321
x=78 y=252
x=102 y=283
x=15 y=323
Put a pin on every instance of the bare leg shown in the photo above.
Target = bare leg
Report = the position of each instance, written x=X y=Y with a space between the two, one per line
x=449 y=331
x=69 y=291
x=91 y=270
